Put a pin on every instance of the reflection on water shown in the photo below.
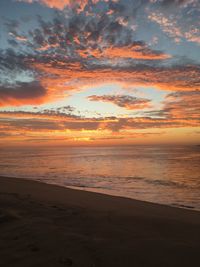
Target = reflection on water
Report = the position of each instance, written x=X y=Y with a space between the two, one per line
x=160 y=174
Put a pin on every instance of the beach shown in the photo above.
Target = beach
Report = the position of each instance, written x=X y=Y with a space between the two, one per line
x=49 y=225
x=157 y=174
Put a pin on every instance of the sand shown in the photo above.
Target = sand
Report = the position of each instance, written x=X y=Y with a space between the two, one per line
x=48 y=225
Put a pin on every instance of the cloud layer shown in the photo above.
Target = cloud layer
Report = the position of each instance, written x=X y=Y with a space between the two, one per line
x=124 y=101
x=79 y=45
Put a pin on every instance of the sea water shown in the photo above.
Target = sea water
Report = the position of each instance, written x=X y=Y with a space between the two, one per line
x=161 y=174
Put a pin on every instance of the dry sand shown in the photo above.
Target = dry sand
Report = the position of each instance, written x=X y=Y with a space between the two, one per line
x=47 y=225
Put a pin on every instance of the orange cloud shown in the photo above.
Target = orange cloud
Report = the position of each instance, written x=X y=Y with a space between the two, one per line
x=51 y=127
x=67 y=77
x=58 y=4
x=60 y=79
x=34 y=121
x=135 y=51
x=183 y=105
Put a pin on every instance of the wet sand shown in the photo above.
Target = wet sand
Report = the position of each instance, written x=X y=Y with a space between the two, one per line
x=48 y=225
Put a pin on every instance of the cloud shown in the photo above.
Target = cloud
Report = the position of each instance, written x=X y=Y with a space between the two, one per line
x=87 y=43
x=22 y=93
x=125 y=101
x=184 y=3
x=180 y=106
x=170 y=26
x=183 y=105
x=137 y=50
x=176 y=78
x=58 y=4
x=73 y=51
x=89 y=34
x=42 y=78
x=45 y=121
x=60 y=122
x=67 y=55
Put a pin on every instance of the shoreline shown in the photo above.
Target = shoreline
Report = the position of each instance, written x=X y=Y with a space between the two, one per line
x=105 y=193
x=69 y=227
x=90 y=193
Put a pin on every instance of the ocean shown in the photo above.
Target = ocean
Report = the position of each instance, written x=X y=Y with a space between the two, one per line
x=160 y=174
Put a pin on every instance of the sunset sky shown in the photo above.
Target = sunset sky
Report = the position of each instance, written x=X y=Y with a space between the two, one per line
x=99 y=72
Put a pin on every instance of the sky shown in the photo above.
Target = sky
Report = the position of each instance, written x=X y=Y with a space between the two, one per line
x=99 y=72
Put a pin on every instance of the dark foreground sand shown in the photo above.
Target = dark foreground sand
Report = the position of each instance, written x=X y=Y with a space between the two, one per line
x=45 y=225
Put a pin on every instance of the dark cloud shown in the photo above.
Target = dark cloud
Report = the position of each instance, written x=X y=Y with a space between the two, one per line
x=21 y=92
x=33 y=125
x=84 y=32
x=10 y=61
x=18 y=84
x=125 y=101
